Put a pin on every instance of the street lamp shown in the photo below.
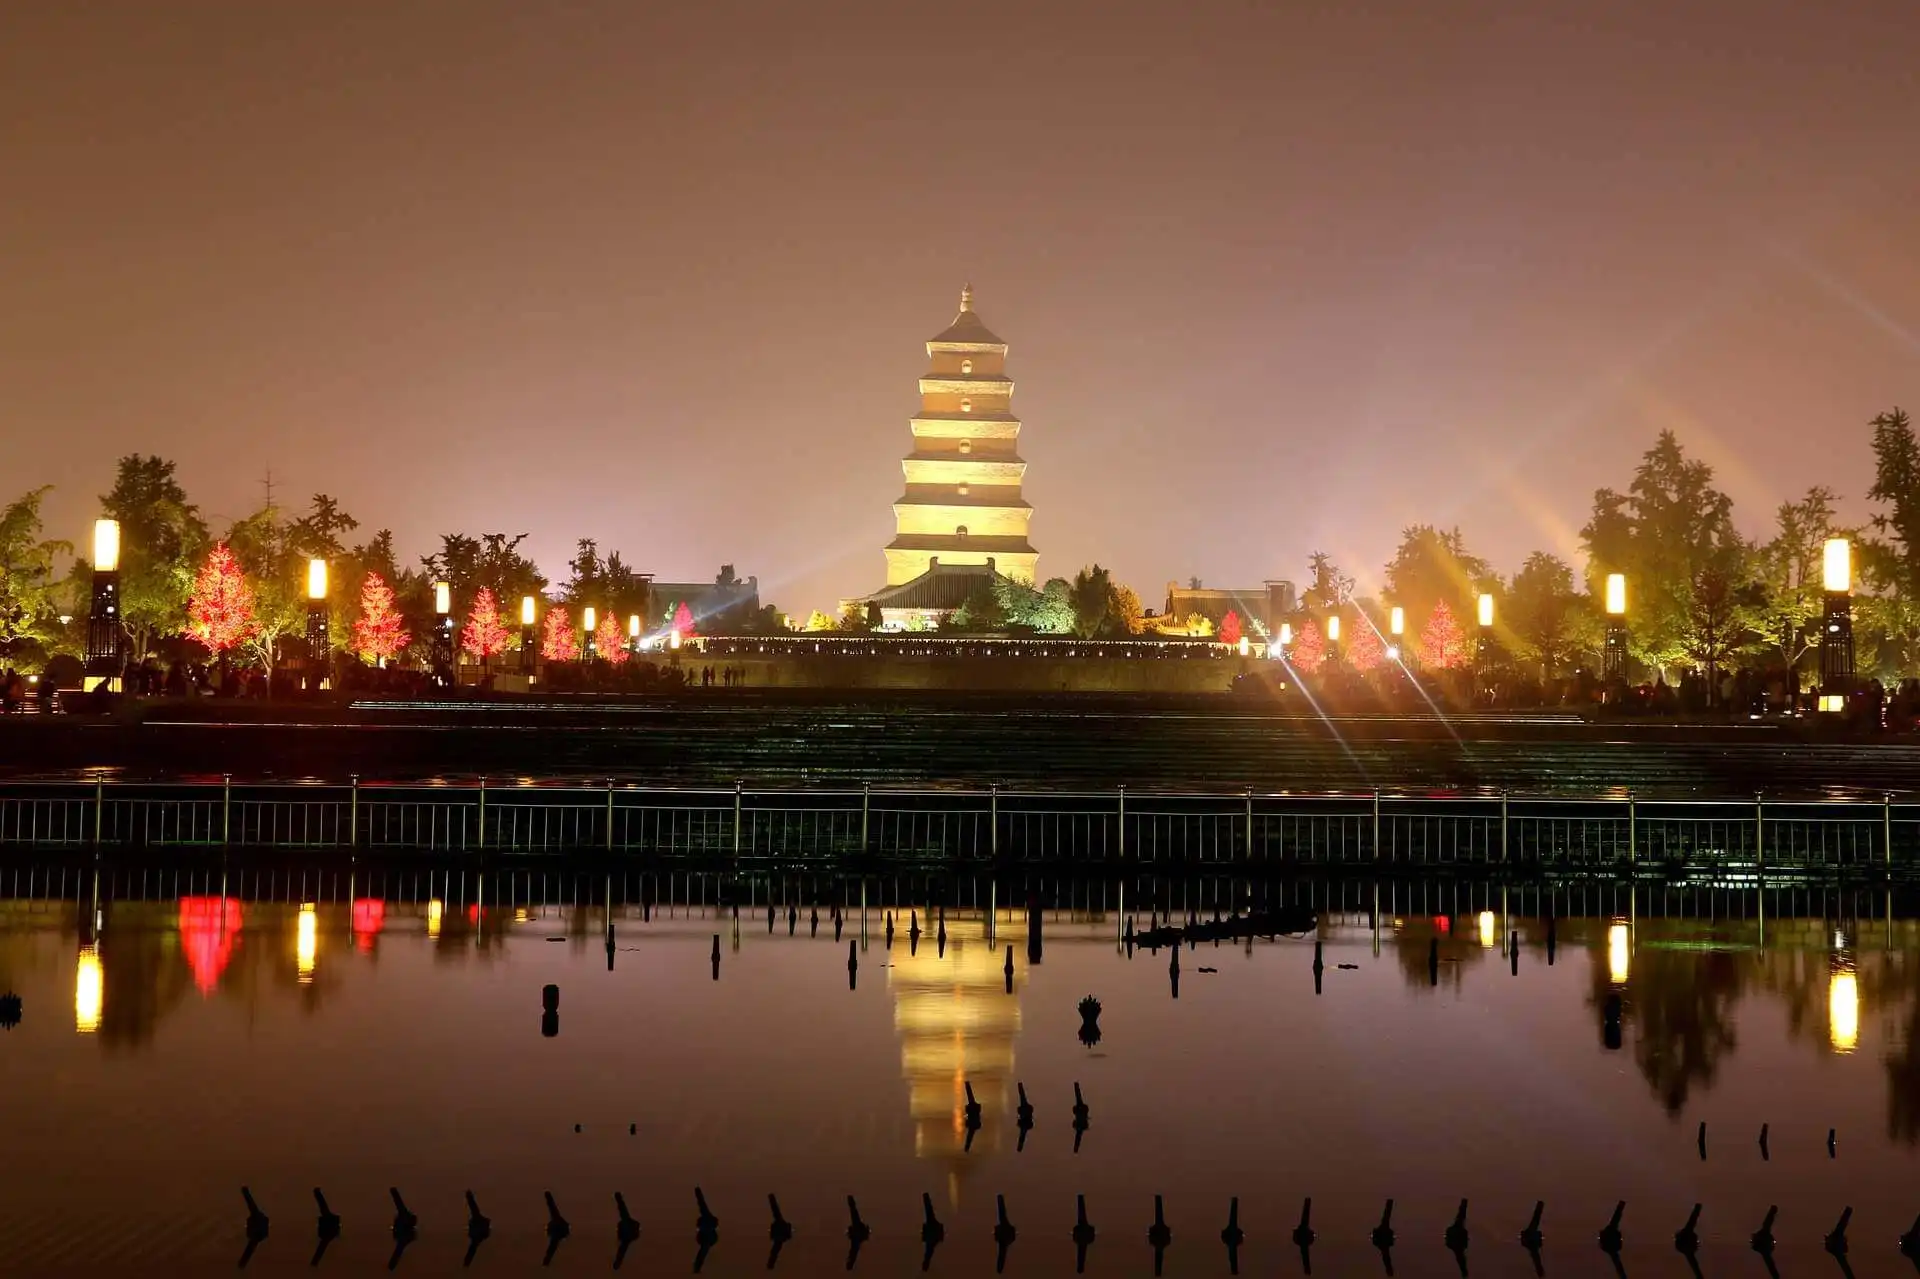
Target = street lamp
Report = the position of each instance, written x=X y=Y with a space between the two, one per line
x=1836 y=629
x=528 y=648
x=587 y=619
x=442 y=648
x=1396 y=627
x=104 y=635
x=1613 y=657
x=1483 y=647
x=633 y=632
x=319 y=650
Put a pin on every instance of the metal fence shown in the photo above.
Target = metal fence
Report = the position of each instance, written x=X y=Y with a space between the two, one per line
x=987 y=826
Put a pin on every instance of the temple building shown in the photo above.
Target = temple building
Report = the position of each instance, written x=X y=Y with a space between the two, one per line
x=962 y=508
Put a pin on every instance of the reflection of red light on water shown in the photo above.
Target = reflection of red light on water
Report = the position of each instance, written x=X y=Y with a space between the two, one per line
x=369 y=917
x=209 y=926
x=1443 y=923
x=473 y=915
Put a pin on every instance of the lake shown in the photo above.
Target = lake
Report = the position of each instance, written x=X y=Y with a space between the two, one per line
x=177 y=1042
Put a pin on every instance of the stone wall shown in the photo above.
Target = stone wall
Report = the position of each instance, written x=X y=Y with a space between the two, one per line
x=1005 y=674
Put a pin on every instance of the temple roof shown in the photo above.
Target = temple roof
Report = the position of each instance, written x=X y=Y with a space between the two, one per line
x=942 y=586
x=966 y=329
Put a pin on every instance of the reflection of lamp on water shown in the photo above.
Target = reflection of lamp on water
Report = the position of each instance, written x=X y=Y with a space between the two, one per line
x=369 y=917
x=435 y=910
x=306 y=944
x=89 y=991
x=1843 y=1009
x=1619 y=953
x=1486 y=929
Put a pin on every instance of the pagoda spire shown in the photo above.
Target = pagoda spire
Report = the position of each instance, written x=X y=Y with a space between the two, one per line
x=966 y=296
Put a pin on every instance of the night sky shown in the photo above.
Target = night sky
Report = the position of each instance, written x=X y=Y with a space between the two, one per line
x=1276 y=277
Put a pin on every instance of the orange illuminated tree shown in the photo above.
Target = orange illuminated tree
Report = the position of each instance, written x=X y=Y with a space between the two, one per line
x=1365 y=651
x=220 y=606
x=484 y=634
x=608 y=644
x=1443 y=644
x=558 y=643
x=1309 y=650
x=1230 y=628
x=379 y=632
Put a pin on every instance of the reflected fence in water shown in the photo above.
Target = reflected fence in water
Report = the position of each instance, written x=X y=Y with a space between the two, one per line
x=957 y=827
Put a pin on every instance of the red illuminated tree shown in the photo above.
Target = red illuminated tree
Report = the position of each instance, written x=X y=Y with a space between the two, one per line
x=1309 y=650
x=220 y=606
x=379 y=632
x=1443 y=645
x=608 y=644
x=484 y=634
x=1364 y=649
x=558 y=643
x=683 y=620
x=1230 y=628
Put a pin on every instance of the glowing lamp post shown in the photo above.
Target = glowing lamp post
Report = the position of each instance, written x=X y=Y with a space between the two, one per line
x=1836 y=628
x=633 y=632
x=1333 y=637
x=319 y=647
x=529 y=646
x=588 y=619
x=1483 y=645
x=442 y=648
x=104 y=635
x=1396 y=627
x=1613 y=653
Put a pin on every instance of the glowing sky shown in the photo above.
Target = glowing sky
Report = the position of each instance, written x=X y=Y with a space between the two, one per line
x=1276 y=277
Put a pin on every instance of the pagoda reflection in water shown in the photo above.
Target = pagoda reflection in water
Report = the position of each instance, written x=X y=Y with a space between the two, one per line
x=957 y=1025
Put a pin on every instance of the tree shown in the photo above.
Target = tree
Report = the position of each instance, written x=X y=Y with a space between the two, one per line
x=1443 y=645
x=263 y=543
x=220 y=604
x=1092 y=599
x=1788 y=571
x=1432 y=565
x=1891 y=561
x=1128 y=617
x=491 y=561
x=608 y=644
x=1327 y=588
x=981 y=612
x=1544 y=614
x=1230 y=628
x=853 y=619
x=28 y=613
x=683 y=620
x=876 y=618
x=485 y=634
x=162 y=541
x=1309 y=652
x=558 y=642
x=1047 y=611
x=379 y=633
x=818 y=621
x=1364 y=651
x=1670 y=531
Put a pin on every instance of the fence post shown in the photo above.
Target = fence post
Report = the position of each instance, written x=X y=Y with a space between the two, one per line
x=1123 y=821
x=738 y=788
x=483 y=810
x=1760 y=838
x=1376 y=826
x=99 y=807
x=1633 y=831
x=866 y=807
x=1886 y=828
x=609 y=814
x=993 y=816
x=226 y=808
x=1503 y=827
x=353 y=814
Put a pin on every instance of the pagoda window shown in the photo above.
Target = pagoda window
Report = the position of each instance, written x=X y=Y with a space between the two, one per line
x=966 y=446
x=966 y=366
x=966 y=406
x=961 y=531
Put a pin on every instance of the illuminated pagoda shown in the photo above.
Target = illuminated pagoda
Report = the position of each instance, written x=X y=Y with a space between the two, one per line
x=962 y=511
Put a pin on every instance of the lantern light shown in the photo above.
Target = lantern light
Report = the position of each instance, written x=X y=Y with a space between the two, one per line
x=1397 y=621
x=1836 y=566
x=1832 y=703
x=1616 y=594
x=526 y=610
x=1246 y=646
x=1333 y=627
x=1286 y=634
x=587 y=619
x=106 y=545
x=1486 y=609
x=316 y=579
x=442 y=598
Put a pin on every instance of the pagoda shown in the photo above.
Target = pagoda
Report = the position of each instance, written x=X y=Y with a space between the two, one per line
x=962 y=505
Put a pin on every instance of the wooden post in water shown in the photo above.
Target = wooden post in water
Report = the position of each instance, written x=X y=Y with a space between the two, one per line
x=1886 y=829
x=1376 y=834
x=99 y=806
x=866 y=807
x=1249 y=825
x=1633 y=831
x=738 y=788
x=1503 y=826
x=353 y=812
x=482 y=842
x=1123 y=821
x=226 y=808
x=993 y=816
x=609 y=814
x=1760 y=838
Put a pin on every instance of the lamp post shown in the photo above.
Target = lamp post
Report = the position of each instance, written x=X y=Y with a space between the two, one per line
x=1333 y=637
x=1836 y=628
x=529 y=647
x=633 y=632
x=104 y=634
x=1396 y=627
x=1483 y=646
x=442 y=648
x=1613 y=656
x=319 y=647
x=587 y=620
